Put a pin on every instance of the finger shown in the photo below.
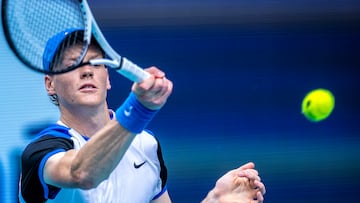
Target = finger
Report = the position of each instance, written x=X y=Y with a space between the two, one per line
x=161 y=95
x=249 y=165
x=144 y=86
x=167 y=87
x=260 y=186
x=155 y=72
x=259 y=197
x=157 y=96
x=150 y=86
x=159 y=89
x=249 y=173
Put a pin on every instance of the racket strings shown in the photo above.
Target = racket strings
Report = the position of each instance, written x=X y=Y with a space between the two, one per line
x=72 y=47
x=30 y=23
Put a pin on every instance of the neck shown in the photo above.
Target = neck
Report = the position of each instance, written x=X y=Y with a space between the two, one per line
x=86 y=121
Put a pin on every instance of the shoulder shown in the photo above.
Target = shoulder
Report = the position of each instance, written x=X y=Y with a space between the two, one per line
x=48 y=142
x=147 y=135
x=146 y=141
x=55 y=130
x=52 y=138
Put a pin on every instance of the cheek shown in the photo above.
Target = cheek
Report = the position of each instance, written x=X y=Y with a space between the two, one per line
x=63 y=92
x=63 y=87
x=108 y=84
x=104 y=76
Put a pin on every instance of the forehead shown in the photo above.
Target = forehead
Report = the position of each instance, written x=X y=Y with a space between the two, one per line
x=95 y=48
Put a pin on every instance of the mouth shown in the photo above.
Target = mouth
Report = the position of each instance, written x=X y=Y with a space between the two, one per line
x=88 y=87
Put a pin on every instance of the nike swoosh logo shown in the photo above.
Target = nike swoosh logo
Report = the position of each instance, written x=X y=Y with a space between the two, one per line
x=127 y=112
x=139 y=165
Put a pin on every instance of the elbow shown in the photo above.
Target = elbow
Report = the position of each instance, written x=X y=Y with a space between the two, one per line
x=84 y=180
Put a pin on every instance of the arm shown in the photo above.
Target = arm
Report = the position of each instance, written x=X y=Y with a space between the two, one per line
x=241 y=185
x=93 y=163
x=87 y=167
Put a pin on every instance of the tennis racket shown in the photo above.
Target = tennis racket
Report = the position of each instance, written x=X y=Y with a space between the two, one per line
x=29 y=24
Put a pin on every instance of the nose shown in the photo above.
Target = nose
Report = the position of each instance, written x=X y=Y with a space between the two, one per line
x=86 y=71
x=87 y=74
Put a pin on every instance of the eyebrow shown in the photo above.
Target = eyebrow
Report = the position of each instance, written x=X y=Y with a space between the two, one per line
x=96 y=55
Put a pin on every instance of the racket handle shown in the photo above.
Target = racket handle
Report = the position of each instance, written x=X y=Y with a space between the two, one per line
x=132 y=71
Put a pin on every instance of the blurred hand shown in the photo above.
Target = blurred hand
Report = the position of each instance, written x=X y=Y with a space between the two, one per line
x=241 y=185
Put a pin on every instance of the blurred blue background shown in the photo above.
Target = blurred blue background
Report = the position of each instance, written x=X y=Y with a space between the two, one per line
x=240 y=71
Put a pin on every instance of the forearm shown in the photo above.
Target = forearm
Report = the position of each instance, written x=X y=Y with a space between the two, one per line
x=105 y=149
x=95 y=161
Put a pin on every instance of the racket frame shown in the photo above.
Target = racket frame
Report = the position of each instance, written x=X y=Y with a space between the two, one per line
x=121 y=64
x=91 y=29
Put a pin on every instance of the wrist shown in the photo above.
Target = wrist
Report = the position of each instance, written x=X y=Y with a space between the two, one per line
x=212 y=197
x=134 y=116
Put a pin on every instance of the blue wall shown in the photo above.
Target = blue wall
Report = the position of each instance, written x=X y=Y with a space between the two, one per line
x=237 y=98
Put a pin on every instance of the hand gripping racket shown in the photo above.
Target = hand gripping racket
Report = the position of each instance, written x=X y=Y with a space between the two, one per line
x=29 y=24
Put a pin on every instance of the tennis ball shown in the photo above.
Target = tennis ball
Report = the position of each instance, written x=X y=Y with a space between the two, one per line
x=318 y=104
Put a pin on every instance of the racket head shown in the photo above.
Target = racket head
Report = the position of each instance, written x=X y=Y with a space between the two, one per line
x=29 y=24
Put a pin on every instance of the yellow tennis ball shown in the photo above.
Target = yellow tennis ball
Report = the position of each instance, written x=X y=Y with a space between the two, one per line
x=318 y=104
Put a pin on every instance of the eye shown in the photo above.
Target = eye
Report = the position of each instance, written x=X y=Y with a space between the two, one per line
x=98 y=66
x=68 y=62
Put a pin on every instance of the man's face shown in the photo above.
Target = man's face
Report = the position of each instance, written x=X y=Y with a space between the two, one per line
x=84 y=86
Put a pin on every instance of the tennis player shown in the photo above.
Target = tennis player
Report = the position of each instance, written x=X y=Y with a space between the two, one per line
x=93 y=154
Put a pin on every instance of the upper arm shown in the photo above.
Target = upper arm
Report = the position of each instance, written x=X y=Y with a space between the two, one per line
x=33 y=161
x=164 y=198
x=57 y=169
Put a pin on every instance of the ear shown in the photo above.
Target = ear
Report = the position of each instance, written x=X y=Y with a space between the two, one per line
x=49 y=85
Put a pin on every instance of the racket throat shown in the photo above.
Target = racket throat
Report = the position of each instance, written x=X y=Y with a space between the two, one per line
x=111 y=63
x=125 y=67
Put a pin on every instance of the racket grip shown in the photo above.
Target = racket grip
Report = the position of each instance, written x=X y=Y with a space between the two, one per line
x=132 y=71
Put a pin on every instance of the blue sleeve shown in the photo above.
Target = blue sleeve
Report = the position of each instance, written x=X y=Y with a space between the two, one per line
x=33 y=159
